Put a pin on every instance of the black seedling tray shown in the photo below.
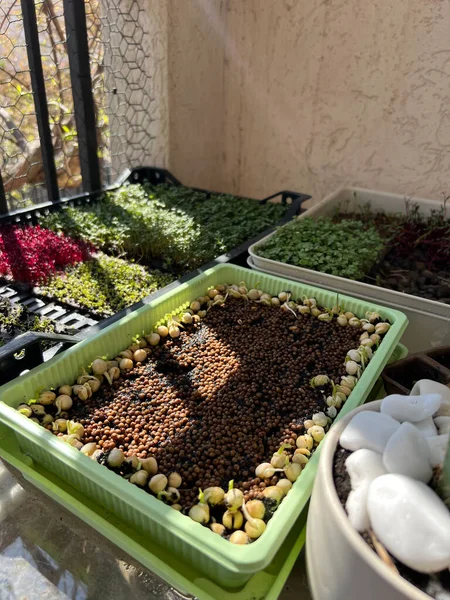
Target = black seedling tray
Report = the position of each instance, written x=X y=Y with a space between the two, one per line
x=86 y=323
x=64 y=314
x=26 y=351
x=155 y=176
x=400 y=376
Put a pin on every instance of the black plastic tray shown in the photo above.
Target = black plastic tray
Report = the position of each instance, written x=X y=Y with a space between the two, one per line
x=156 y=176
x=399 y=377
x=25 y=352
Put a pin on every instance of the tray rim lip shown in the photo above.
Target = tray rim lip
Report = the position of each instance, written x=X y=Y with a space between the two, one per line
x=351 y=286
x=237 y=559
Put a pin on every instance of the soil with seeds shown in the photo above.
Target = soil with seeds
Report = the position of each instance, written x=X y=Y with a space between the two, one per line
x=411 y=276
x=220 y=399
x=437 y=585
x=417 y=253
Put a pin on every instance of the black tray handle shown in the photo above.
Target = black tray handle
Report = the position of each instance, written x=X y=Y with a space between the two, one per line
x=153 y=175
x=295 y=208
x=286 y=196
x=25 y=352
x=294 y=201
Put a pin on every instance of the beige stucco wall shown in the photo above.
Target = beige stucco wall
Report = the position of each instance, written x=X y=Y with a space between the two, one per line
x=196 y=91
x=309 y=95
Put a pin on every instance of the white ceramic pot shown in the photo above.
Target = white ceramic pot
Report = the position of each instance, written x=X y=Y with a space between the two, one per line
x=340 y=564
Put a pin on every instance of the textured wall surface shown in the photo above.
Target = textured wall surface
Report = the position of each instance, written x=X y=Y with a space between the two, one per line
x=196 y=91
x=266 y=94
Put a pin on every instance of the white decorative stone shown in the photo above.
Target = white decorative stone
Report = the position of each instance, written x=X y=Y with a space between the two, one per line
x=428 y=386
x=438 y=448
x=363 y=466
x=426 y=427
x=410 y=408
x=444 y=409
x=411 y=521
x=443 y=424
x=368 y=429
x=407 y=453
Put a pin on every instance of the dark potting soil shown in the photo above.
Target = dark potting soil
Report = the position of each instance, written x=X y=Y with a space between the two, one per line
x=223 y=397
x=437 y=585
x=411 y=276
x=416 y=260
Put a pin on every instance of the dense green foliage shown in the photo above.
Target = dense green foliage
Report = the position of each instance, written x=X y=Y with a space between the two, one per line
x=16 y=319
x=168 y=225
x=230 y=219
x=346 y=249
x=104 y=285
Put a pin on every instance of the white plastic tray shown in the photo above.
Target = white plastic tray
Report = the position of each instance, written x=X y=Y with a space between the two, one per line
x=429 y=320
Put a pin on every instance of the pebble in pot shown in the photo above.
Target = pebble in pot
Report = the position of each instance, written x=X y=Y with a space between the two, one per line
x=407 y=452
x=410 y=408
x=363 y=467
x=368 y=430
x=444 y=409
x=389 y=492
x=428 y=386
x=426 y=427
x=443 y=425
x=438 y=447
x=411 y=521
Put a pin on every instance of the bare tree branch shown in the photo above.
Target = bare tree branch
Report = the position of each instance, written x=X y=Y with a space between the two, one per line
x=8 y=12
x=30 y=170
x=48 y=6
x=51 y=22
x=19 y=138
x=20 y=81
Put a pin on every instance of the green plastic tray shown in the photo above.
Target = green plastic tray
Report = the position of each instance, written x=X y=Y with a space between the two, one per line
x=266 y=584
x=401 y=351
x=228 y=565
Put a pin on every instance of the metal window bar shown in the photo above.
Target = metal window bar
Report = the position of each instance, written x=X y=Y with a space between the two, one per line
x=83 y=98
x=3 y=202
x=40 y=97
x=104 y=72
